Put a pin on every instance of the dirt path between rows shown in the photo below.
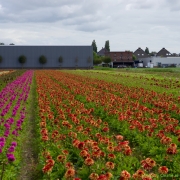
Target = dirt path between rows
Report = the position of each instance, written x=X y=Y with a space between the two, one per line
x=29 y=147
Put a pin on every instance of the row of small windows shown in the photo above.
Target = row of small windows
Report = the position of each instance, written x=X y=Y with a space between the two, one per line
x=168 y=54
x=115 y=55
x=123 y=57
x=115 y=59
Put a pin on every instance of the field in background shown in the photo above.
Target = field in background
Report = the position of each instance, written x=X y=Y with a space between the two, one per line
x=174 y=72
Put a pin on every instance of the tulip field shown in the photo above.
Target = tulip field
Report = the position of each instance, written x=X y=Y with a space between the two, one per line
x=89 y=125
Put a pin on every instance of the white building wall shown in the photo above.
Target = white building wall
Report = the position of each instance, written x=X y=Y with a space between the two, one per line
x=162 y=60
x=166 y=61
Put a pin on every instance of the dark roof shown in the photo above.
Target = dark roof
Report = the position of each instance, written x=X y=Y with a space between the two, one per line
x=139 y=53
x=164 y=53
x=102 y=52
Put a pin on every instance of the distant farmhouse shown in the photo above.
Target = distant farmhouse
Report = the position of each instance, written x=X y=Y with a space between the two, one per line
x=125 y=58
x=162 y=59
x=120 y=58
x=140 y=53
x=164 y=53
x=102 y=52
x=72 y=56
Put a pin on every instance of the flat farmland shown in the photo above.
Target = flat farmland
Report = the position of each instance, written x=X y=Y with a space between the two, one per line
x=91 y=124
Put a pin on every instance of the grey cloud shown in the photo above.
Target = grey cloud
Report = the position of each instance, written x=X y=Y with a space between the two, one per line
x=67 y=12
x=44 y=14
x=92 y=27
x=22 y=5
x=78 y=20
x=149 y=4
x=127 y=24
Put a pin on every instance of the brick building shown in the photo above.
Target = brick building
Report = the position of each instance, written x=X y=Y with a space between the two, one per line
x=119 y=58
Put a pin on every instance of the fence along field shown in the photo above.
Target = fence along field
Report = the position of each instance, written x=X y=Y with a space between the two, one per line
x=91 y=126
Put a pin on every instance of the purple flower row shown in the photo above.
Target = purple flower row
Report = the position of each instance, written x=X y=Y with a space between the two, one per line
x=12 y=112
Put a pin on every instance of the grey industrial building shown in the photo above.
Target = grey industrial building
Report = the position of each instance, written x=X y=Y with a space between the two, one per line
x=162 y=59
x=73 y=56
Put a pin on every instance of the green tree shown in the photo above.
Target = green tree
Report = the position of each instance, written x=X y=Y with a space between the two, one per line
x=97 y=61
x=94 y=46
x=153 y=53
x=147 y=50
x=106 y=60
x=11 y=44
x=60 y=60
x=94 y=55
x=22 y=60
x=107 y=46
x=42 y=60
x=1 y=43
x=134 y=57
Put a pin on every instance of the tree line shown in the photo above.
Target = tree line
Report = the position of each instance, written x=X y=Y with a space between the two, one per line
x=106 y=46
x=2 y=44
x=43 y=60
x=153 y=53
x=99 y=59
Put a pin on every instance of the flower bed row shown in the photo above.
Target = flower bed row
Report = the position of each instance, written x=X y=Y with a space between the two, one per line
x=139 y=80
x=12 y=115
x=9 y=77
x=4 y=72
x=140 y=129
x=73 y=134
x=129 y=107
x=141 y=94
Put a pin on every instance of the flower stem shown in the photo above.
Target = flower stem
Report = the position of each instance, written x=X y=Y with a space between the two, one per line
x=3 y=169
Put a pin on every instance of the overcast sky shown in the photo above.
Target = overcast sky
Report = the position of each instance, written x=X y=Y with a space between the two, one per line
x=127 y=24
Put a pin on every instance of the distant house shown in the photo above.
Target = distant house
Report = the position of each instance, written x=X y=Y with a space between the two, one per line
x=102 y=52
x=164 y=53
x=119 y=58
x=175 y=54
x=161 y=59
x=140 y=53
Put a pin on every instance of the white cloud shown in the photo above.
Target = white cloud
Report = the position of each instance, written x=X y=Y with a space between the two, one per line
x=1 y=9
x=126 y=24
